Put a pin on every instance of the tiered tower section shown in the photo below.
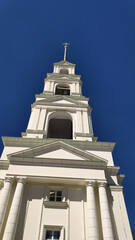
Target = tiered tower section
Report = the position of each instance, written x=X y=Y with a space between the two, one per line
x=61 y=111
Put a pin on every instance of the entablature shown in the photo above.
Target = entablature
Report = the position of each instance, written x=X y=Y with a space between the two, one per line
x=34 y=142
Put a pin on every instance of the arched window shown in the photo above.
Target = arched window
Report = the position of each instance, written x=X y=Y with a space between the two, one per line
x=60 y=126
x=62 y=89
x=64 y=71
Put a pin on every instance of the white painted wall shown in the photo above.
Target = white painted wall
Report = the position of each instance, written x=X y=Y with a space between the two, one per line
x=103 y=154
x=58 y=172
x=8 y=150
x=120 y=215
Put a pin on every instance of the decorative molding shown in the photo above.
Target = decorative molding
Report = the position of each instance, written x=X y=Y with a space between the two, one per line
x=83 y=134
x=44 y=95
x=91 y=183
x=61 y=63
x=112 y=170
x=34 y=142
x=120 y=178
x=55 y=204
x=4 y=164
x=85 y=164
x=51 y=103
x=89 y=158
x=31 y=131
x=101 y=184
x=21 y=179
x=36 y=131
x=75 y=94
x=47 y=92
x=116 y=188
x=9 y=179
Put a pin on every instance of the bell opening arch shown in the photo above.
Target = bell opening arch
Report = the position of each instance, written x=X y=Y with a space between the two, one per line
x=62 y=89
x=64 y=71
x=60 y=125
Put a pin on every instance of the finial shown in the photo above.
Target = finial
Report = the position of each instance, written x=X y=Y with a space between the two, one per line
x=65 y=53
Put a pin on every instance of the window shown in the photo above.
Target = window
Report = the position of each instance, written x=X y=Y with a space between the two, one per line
x=64 y=71
x=55 y=196
x=62 y=90
x=52 y=234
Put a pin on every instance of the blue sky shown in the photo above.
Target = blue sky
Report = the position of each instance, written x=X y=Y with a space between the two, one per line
x=102 y=38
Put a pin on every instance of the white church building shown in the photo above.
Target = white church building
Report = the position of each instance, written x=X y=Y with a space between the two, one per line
x=57 y=181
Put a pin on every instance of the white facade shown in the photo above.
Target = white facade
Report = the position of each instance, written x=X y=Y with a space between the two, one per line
x=58 y=181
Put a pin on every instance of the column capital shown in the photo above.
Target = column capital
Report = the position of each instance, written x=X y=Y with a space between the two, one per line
x=21 y=180
x=9 y=179
x=90 y=183
x=101 y=184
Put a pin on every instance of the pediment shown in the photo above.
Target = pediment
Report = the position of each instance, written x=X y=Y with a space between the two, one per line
x=64 y=63
x=60 y=153
x=58 y=150
x=64 y=77
x=61 y=100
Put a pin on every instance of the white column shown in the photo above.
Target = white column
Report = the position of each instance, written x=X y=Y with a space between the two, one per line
x=12 y=221
x=46 y=87
x=85 y=122
x=77 y=87
x=33 y=119
x=90 y=124
x=42 y=119
x=105 y=213
x=5 y=194
x=93 y=232
x=74 y=88
x=79 y=122
x=52 y=87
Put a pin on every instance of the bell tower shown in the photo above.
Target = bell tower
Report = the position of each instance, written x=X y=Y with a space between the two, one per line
x=61 y=111
x=57 y=181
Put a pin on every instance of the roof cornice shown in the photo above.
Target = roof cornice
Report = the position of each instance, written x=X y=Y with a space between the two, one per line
x=31 y=142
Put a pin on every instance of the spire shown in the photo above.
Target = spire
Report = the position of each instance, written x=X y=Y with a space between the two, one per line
x=65 y=53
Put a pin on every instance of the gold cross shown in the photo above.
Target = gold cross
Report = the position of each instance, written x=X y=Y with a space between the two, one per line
x=65 y=53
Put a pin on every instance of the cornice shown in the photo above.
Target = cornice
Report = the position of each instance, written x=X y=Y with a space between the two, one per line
x=44 y=95
x=61 y=76
x=52 y=162
x=63 y=97
x=35 y=151
x=34 y=132
x=116 y=188
x=112 y=170
x=4 y=164
x=48 y=103
x=33 y=142
x=120 y=178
